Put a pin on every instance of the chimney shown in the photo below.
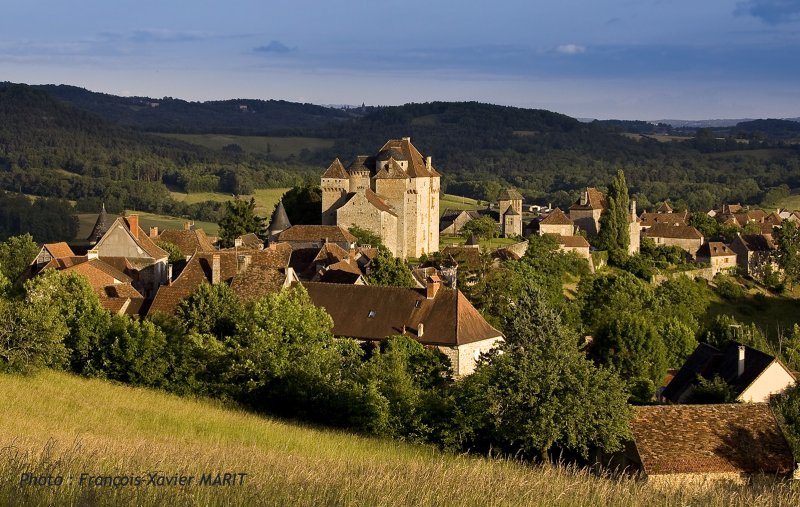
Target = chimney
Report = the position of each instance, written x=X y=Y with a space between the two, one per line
x=215 y=269
x=133 y=221
x=584 y=198
x=633 y=208
x=154 y=232
x=169 y=274
x=244 y=262
x=420 y=330
x=428 y=162
x=434 y=283
x=740 y=369
x=407 y=139
x=187 y=226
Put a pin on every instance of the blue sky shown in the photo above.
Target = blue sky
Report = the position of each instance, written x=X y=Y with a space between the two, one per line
x=637 y=59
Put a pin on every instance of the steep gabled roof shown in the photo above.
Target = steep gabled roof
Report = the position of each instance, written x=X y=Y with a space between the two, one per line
x=188 y=241
x=557 y=217
x=416 y=162
x=713 y=249
x=59 y=250
x=378 y=202
x=664 y=208
x=756 y=242
x=375 y=313
x=734 y=437
x=331 y=253
x=595 y=200
x=390 y=170
x=509 y=194
x=571 y=241
x=336 y=170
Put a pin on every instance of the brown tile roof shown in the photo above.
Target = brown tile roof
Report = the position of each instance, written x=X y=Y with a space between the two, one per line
x=509 y=194
x=673 y=231
x=714 y=249
x=664 y=208
x=257 y=281
x=59 y=250
x=98 y=272
x=731 y=208
x=595 y=200
x=251 y=241
x=651 y=219
x=334 y=233
x=756 y=242
x=391 y=170
x=736 y=437
x=557 y=217
x=330 y=253
x=336 y=170
x=379 y=203
x=467 y=257
x=339 y=276
x=571 y=241
x=198 y=270
x=374 y=313
x=188 y=241
x=349 y=267
x=416 y=162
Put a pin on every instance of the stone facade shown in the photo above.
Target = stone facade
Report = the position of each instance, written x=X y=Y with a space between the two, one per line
x=394 y=194
x=464 y=358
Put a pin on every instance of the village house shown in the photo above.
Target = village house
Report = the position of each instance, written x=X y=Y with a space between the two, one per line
x=586 y=213
x=434 y=316
x=718 y=256
x=452 y=221
x=663 y=215
x=576 y=244
x=250 y=274
x=754 y=252
x=314 y=236
x=556 y=222
x=752 y=375
x=685 y=237
x=393 y=194
x=510 y=213
x=704 y=445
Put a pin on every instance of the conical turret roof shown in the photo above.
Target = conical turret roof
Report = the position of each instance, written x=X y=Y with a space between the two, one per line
x=100 y=227
x=280 y=220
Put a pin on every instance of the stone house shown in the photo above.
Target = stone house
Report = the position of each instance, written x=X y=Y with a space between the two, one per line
x=393 y=194
x=577 y=244
x=752 y=375
x=452 y=221
x=126 y=246
x=510 y=213
x=685 y=237
x=49 y=252
x=647 y=220
x=434 y=316
x=718 y=256
x=754 y=252
x=698 y=446
x=586 y=212
x=556 y=222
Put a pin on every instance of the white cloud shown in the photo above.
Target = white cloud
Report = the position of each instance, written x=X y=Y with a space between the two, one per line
x=570 y=49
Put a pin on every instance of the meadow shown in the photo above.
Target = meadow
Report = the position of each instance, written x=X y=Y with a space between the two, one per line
x=59 y=425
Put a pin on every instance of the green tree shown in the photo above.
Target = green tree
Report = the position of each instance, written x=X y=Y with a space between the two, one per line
x=388 y=270
x=679 y=341
x=365 y=237
x=787 y=238
x=715 y=390
x=632 y=346
x=614 y=234
x=16 y=254
x=240 y=218
x=31 y=337
x=604 y=296
x=786 y=407
x=303 y=204
x=133 y=351
x=211 y=309
x=482 y=228
x=175 y=254
x=539 y=392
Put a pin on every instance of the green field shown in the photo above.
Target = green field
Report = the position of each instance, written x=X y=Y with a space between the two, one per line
x=449 y=201
x=59 y=425
x=792 y=202
x=266 y=198
x=86 y=222
x=486 y=244
x=278 y=146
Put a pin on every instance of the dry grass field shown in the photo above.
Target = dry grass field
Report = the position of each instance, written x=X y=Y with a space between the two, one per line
x=55 y=425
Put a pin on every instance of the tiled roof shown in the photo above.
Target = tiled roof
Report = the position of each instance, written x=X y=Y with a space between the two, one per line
x=339 y=276
x=144 y=241
x=673 y=231
x=379 y=203
x=98 y=272
x=557 y=217
x=374 y=313
x=707 y=361
x=467 y=257
x=651 y=219
x=664 y=208
x=59 y=250
x=756 y=242
x=330 y=253
x=391 y=170
x=571 y=241
x=416 y=163
x=280 y=220
x=595 y=200
x=350 y=267
x=100 y=227
x=336 y=170
x=509 y=194
x=735 y=437
x=714 y=249
x=316 y=233
x=188 y=241
x=257 y=281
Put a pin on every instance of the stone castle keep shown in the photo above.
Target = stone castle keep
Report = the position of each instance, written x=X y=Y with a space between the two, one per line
x=394 y=194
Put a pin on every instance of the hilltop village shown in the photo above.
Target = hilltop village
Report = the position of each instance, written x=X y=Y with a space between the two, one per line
x=385 y=262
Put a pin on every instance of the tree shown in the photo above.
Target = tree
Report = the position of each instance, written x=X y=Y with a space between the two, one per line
x=786 y=407
x=715 y=390
x=16 y=254
x=388 y=270
x=539 y=392
x=787 y=238
x=31 y=337
x=365 y=237
x=240 y=218
x=303 y=204
x=482 y=228
x=614 y=234
x=211 y=309
x=604 y=296
x=175 y=254
x=632 y=346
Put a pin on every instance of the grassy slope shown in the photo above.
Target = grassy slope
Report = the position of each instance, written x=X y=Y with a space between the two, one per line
x=61 y=424
x=266 y=198
x=86 y=222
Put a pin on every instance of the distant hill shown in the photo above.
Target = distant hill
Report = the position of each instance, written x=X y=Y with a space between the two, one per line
x=770 y=128
x=236 y=116
x=703 y=123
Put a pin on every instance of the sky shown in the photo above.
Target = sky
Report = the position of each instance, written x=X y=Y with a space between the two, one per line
x=629 y=59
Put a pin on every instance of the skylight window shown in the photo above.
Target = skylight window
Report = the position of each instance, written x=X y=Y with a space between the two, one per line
x=371 y=314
